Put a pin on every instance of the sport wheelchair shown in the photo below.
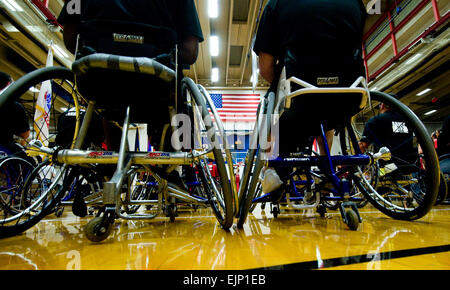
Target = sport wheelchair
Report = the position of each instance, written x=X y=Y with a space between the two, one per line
x=348 y=176
x=134 y=172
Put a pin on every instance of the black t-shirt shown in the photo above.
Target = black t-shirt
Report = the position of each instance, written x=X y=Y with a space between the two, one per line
x=320 y=33
x=180 y=15
x=14 y=120
x=390 y=130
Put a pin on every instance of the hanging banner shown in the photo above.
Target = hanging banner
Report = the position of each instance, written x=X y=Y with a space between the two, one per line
x=43 y=105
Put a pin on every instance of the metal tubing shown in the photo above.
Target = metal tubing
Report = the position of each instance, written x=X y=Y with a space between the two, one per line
x=85 y=125
x=69 y=156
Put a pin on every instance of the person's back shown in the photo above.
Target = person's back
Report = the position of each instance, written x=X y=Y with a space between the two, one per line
x=320 y=42
x=314 y=38
x=137 y=28
x=159 y=22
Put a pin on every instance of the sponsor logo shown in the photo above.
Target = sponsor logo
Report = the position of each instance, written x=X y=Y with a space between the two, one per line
x=158 y=155
x=128 y=38
x=99 y=154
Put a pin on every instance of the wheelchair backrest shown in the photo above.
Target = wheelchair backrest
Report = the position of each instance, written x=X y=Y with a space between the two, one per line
x=115 y=66
x=334 y=105
x=125 y=38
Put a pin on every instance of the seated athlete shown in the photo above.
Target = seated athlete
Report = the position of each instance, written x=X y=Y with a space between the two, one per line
x=388 y=129
x=319 y=42
x=179 y=15
x=141 y=28
x=94 y=28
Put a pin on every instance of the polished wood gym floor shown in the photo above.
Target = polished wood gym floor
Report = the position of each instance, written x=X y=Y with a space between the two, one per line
x=294 y=240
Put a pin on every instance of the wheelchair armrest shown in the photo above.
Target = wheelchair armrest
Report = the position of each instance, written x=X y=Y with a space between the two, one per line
x=142 y=65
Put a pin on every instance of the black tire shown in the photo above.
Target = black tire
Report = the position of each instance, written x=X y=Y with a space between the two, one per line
x=218 y=189
x=253 y=166
x=96 y=230
x=352 y=219
x=14 y=171
x=30 y=217
x=421 y=190
x=63 y=86
x=250 y=194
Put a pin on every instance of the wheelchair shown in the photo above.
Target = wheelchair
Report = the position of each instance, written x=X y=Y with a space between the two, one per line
x=134 y=179
x=348 y=176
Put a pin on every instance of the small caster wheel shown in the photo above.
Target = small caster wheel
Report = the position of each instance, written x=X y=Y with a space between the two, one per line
x=59 y=211
x=321 y=210
x=352 y=219
x=97 y=230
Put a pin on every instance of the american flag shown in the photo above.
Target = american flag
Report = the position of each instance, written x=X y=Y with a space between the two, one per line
x=237 y=107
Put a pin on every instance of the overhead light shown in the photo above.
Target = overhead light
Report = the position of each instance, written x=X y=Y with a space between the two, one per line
x=59 y=51
x=430 y=112
x=214 y=74
x=214 y=45
x=213 y=9
x=423 y=92
x=413 y=58
x=12 y=5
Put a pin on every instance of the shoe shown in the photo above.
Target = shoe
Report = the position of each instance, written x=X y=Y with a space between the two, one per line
x=270 y=181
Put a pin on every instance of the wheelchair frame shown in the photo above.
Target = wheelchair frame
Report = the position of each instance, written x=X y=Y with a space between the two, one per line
x=303 y=164
x=112 y=189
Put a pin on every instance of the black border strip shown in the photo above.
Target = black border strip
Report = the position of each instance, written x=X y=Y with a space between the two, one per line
x=342 y=261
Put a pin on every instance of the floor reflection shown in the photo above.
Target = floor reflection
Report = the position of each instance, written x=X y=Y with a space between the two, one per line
x=195 y=241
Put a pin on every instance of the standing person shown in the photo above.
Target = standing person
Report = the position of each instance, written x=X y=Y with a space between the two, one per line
x=14 y=120
x=320 y=42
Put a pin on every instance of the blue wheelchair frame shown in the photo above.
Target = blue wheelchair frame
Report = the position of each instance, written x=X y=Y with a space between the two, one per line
x=326 y=164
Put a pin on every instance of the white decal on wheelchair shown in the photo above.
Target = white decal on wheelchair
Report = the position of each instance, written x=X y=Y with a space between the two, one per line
x=399 y=127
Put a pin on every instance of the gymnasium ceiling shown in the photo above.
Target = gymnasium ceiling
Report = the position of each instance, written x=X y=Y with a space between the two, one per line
x=24 y=36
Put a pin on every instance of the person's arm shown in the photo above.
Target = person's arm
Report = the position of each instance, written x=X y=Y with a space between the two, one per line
x=70 y=36
x=25 y=135
x=266 y=66
x=70 y=23
x=189 y=50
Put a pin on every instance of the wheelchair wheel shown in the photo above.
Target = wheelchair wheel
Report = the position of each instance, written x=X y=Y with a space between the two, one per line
x=40 y=194
x=140 y=190
x=369 y=172
x=250 y=187
x=408 y=183
x=205 y=137
x=13 y=173
x=58 y=86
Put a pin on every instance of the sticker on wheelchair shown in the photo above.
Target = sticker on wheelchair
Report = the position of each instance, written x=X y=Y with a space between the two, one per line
x=100 y=154
x=158 y=155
